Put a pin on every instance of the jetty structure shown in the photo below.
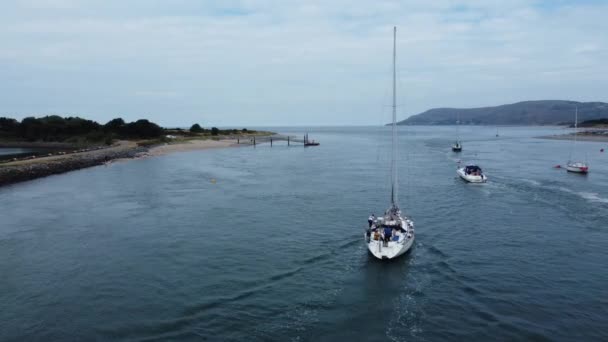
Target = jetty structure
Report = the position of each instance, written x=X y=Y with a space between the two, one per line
x=289 y=139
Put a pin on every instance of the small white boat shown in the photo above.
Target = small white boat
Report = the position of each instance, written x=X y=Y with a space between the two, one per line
x=457 y=146
x=472 y=174
x=393 y=234
x=578 y=167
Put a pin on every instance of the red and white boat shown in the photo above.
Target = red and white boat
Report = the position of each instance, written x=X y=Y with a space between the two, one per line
x=579 y=167
x=576 y=166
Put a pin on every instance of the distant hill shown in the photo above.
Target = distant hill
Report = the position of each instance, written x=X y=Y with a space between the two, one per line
x=548 y=112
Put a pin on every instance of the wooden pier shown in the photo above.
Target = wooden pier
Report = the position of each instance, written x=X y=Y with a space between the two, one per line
x=289 y=139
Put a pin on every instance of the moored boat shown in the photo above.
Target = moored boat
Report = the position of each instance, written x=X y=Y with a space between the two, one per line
x=576 y=166
x=308 y=142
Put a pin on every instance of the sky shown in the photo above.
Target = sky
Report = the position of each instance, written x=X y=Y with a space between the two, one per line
x=244 y=63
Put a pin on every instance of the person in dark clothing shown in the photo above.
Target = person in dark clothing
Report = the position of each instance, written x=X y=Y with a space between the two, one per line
x=371 y=219
x=387 y=235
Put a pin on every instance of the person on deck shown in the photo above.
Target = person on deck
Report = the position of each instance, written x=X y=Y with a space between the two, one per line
x=371 y=219
x=387 y=235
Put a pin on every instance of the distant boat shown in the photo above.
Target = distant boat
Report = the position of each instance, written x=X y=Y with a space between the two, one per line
x=457 y=145
x=472 y=174
x=393 y=234
x=308 y=142
x=576 y=166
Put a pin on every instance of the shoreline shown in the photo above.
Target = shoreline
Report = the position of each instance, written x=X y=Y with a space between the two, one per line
x=580 y=137
x=29 y=169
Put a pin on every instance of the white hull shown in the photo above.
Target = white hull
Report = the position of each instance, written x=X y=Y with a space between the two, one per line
x=471 y=178
x=577 y=168
x=392 y=249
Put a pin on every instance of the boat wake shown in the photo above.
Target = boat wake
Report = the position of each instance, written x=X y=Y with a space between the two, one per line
x=591 y=197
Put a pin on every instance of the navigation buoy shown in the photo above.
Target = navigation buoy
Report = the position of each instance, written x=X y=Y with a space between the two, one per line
x=601 y=150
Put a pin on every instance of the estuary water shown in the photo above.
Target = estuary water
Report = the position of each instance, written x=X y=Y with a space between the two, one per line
x=17 y=152
x=266 y=244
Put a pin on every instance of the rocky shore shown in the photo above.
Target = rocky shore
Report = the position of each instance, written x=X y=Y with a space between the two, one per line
x=24 y=170
x=31 y=168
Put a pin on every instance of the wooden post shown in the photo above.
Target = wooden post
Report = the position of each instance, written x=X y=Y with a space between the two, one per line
x=254 y=140
x=288 y=140
x=238 y=141
x=270 y=142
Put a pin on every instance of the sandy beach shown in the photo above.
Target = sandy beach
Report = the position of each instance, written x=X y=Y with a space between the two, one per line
x=190 y=145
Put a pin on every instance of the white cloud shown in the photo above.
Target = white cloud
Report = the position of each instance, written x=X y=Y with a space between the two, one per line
x=287 y=62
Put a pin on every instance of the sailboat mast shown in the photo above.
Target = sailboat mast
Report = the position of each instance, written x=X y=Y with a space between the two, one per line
x=394 y=156
x=575 y=124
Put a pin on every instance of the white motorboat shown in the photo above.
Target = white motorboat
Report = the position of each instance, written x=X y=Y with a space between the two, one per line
x=472 y=174
x=457 y=146
x=576 y=166
x=393 y=234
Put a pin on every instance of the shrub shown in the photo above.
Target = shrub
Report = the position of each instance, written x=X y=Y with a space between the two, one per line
x=196 y=128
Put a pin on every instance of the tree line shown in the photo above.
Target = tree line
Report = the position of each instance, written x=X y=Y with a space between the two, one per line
x=57 y=128
x=54 y=128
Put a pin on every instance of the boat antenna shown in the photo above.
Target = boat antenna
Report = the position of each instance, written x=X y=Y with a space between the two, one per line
x=573 y=146
x=394 y=156
x=575 y=124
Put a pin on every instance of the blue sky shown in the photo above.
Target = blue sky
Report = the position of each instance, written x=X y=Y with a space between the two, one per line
x=258 y=63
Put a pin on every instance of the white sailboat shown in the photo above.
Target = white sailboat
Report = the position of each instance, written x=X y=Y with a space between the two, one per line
x=392 y=234
x=457 y=145
x=576 y=166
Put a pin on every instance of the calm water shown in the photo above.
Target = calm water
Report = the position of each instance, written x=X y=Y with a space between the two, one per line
x=153 y=249
x=14 y=152
x=11 y=150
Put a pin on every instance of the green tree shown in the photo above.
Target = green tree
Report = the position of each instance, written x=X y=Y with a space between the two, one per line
x=114 y=125
x=196 y=128
x=215 y=131
x=9 y=125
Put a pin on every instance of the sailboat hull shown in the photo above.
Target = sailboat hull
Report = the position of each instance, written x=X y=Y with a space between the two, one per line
x=390 y=251
x=400 y=241
x=577 y=169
